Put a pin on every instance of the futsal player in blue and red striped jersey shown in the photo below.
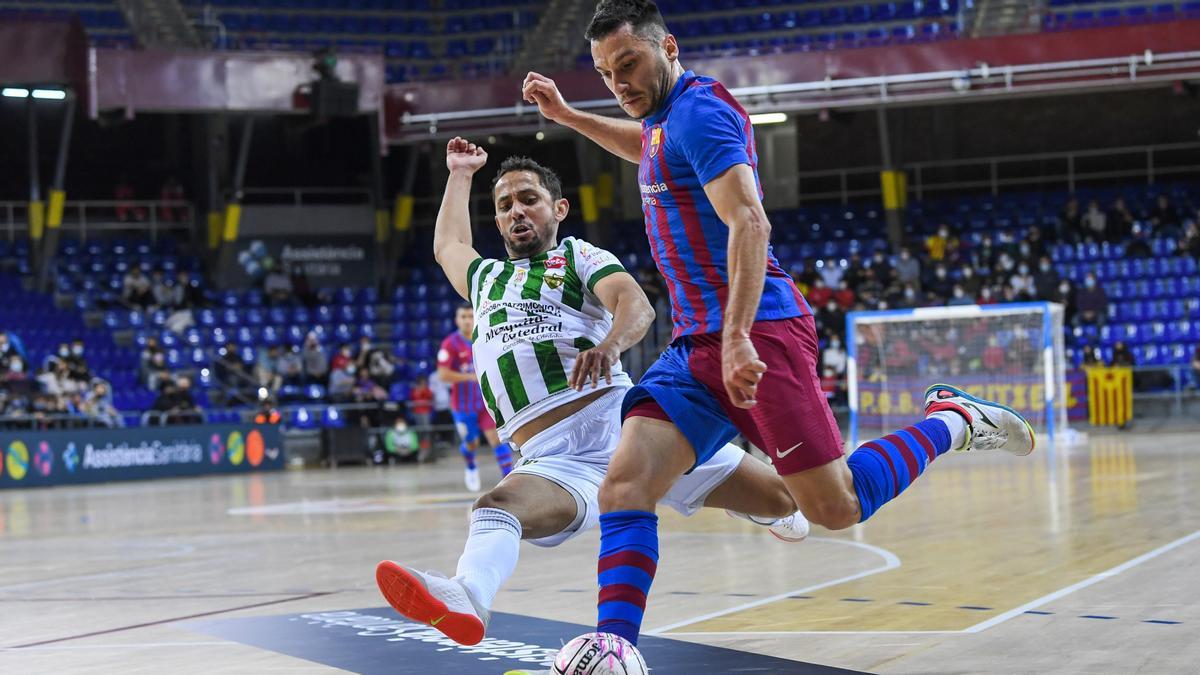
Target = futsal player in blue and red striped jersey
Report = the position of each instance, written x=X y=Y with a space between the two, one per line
x=456 y=368
x=744 y=351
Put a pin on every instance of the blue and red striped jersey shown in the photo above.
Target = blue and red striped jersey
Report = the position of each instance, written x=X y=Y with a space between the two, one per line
x=455 y=354
x=698 y=132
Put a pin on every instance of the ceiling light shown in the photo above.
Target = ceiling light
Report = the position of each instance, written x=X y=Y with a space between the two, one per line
x=768 y=118
x=50 y=94
x=15 y=92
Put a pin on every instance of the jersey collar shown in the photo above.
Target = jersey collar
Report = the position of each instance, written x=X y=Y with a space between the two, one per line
x=682 y=83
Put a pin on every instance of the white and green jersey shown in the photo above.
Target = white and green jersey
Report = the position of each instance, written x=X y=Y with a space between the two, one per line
x=532 y=318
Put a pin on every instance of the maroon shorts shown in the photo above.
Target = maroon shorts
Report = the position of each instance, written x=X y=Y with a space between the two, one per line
x=791 y=422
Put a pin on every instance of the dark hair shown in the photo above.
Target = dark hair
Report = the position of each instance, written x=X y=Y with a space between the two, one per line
x=547 y=176
x=642 y=16
x=464 y=305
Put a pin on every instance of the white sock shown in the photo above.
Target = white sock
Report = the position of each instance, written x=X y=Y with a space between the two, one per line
x=956 y=424
x=490 y=554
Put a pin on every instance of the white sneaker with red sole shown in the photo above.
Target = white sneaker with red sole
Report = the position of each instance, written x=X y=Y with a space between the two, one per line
x=792 y=529
x=990 y=426
x=434 y=600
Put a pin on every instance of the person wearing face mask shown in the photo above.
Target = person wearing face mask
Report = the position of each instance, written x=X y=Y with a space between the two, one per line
x=1064 y=294
x=1091 y=302
x=1022 y=283
x=15 y=369
x=908 y=269
x=1120 y=221
x=909 y=298
x=832 y=318
x=1037 y=244
x=1045 y=279
x=341 y=382
x=959 y=297
x=986 y=296
x=77 y=364
x=940 y=246
x=1070 y=221
x=342 y=358
x=834 y=356
x=844 y=296
x=882 y=268
x=939 y=282
x=819 y=294
x=970 y=282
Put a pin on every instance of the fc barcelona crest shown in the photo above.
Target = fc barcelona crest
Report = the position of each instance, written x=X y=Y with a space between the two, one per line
x=655 y=140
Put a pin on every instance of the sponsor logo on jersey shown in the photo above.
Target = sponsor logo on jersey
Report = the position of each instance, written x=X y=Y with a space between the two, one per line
x=555 y=262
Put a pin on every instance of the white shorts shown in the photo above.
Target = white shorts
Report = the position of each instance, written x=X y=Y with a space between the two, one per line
x=575 y=453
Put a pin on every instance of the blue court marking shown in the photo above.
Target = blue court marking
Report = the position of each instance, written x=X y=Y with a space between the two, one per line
x=571 y=590
x=376 y=640
x=914 y=604
x=683 y=593
x=742 y=595
x=1163 y=621
x=857 y=600
x=1096 y=616
x=800 y=597
x=975 y=607
x=1038 y=612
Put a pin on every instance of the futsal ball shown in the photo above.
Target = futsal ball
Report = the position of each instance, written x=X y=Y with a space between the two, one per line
x=599 y=654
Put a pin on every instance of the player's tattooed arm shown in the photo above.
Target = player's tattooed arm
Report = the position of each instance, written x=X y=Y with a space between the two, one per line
x=452 y=243
x=734 y=195
x=632 y=316
x=622 y=138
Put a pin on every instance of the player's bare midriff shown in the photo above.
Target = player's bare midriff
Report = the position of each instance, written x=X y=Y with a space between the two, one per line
x=551 y=417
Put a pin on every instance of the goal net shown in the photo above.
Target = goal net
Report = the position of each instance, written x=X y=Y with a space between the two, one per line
x=1012 y=354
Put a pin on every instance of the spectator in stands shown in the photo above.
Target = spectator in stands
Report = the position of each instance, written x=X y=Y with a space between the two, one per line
x=970 y=282
x=8 y=348
x=942 y=245
x=97 y=405
x=908 y=269
x=291 y=366
x=162 y=290
x=939 y=283
x=870 y=289
x=1120 y=221
x=156 y=371
x=420 y=402
x=844 y=296
x=1037 y=243
x=266 y=368
x=803 y=274
x=958 y=296
x=77 y=364
x=147 y=355
x=908 y=298
x=382 y=367
x=993 y=356
x=316 y=361
x=1196 y=368
x=1094 y=223
x=231 y=372
x=986 y=295
x=1122 y=356
x=853 y=275
x=1164 y=216
x=343 y=358
x=169 y=211
x=1091 y=356
x=832 y=273
x=1139 y=246
x=831 y=385
x=135 y=289
x=15 y=370
x=819 y=294
x=367 y=390
x=277 y=286
x=834 y=356
x=1023 y=284
x=1091 y=302
x=1064 y=295
x=883 y=269
x=187 y=294
x=1190 y=243
x=1070 y=221
x=341 y=382
x=176 y=403
x=124 y=194
x=301 y=289
x=832 y=319
x=1045 y=280
x=400 y=443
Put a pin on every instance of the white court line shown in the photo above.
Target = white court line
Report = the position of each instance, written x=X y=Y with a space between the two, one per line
x=135 y=645
x=1094 y=579
x=890 y=562
x=788 y=633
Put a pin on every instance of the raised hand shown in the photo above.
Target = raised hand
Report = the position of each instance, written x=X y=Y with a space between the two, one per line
x=462 y=155
x=543 y=92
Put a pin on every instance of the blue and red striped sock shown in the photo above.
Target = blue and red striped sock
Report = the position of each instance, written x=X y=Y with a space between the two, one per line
x=468 y=454
x=628 y=560
x=504 y=458
x=883 y=468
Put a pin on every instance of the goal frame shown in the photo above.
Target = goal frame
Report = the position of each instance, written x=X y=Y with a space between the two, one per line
x=1055 y=380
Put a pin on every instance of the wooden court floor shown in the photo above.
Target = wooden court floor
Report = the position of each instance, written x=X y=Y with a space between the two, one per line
x=1080 y=560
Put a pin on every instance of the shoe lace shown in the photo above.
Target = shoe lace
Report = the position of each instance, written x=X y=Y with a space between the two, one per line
x=988 y=438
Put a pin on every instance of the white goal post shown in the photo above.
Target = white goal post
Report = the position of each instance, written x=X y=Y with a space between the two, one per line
x=1010 y=353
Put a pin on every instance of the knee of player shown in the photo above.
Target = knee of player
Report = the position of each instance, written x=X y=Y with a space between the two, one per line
x=621 y=495
x=833 y=514
x=494 y=499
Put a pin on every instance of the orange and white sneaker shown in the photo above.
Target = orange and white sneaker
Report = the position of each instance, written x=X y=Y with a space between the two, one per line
x=434 y=600
x=990 y=426
x=792 y=529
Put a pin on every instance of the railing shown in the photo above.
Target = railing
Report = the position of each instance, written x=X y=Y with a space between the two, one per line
x=1068 y=169
x=300 y=196
x=1179 y=390
x=98 y=216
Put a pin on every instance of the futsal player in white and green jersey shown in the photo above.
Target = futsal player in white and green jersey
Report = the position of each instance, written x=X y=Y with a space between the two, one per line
x=551 y=322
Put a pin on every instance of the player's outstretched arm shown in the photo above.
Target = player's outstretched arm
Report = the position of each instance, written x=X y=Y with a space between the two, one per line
x=734 y=195
x=632 y=316
x=622 y=138
x=452 y=235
